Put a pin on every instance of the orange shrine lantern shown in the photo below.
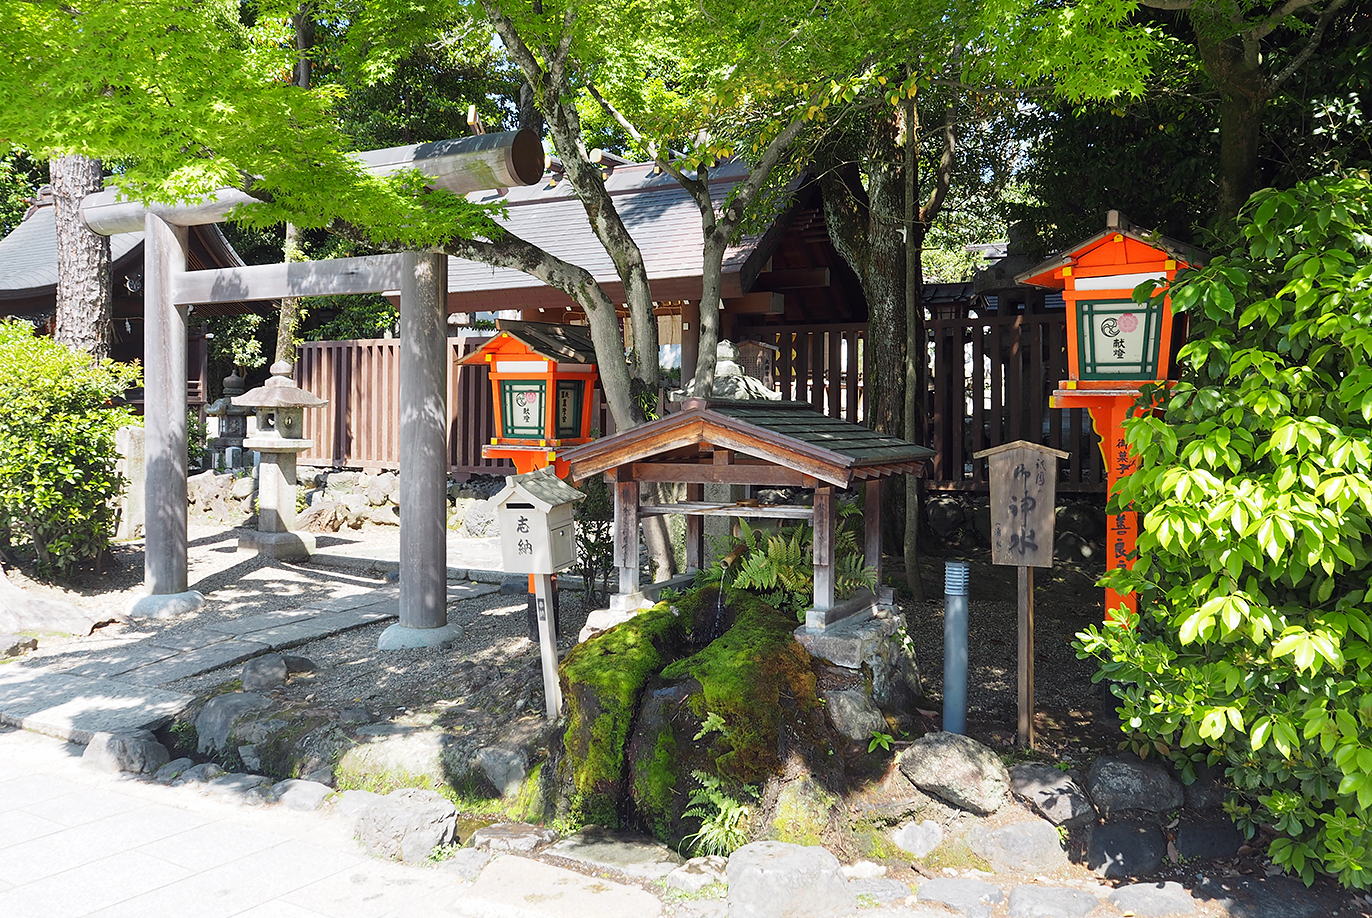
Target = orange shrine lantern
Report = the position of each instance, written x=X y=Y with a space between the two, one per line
x=543 y=380
x=1115 y=347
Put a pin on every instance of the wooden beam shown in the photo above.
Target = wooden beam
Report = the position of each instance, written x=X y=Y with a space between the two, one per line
x=756 y=304
x=770 y=476
x=695 y=530
x=626 y=532
x=367 y=274
x=707 y=508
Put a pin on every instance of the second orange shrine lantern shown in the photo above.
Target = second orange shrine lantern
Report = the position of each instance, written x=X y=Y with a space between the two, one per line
x=1115 y=347
x=543 y=380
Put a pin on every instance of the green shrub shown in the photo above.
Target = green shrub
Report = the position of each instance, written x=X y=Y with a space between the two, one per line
x=1252 y=645
x=57 y=478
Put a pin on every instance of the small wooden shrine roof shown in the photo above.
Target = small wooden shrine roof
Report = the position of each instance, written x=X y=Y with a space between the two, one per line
x=687 y=445
x=1138 y=243
x=559 y=343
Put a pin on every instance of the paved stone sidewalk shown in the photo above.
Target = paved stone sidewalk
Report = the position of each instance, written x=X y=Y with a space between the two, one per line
x=75 y=842
x=120 y=688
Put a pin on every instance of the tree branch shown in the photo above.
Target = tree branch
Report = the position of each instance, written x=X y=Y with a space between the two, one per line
x=1273 y=20
x=944 y=176
x=1311 y=43
x=665 y=161
x=1167 y=4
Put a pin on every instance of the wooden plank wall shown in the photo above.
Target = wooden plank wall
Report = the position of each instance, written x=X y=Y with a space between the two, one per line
x=359 y=428
x=1005 y=367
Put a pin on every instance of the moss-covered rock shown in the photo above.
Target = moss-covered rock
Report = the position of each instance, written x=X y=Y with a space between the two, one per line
x=802 y=813
x=602 y=681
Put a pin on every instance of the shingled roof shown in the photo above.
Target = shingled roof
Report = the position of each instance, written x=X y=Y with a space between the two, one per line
x=561 y=343
x=662 y=218
x=788 y=434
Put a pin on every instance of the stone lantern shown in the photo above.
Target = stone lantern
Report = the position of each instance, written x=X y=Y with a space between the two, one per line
x=233 y=424
x=280 y=405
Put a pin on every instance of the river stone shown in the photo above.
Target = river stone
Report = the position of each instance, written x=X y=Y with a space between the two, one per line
x=1124 y=849
x=350 y=803
x=1020 y=847
x=627 y=852
x=264 y=673
x=504 y=768
x=1205 y=793
x=1153 y=900
x=863 y=870
x=512 y=836
x=771 y=879
x=1262 y=897
x=250 y=789
x=853 y=714
x=1053 y=793
x=467 y=863
x=243 y=488
x=198 y=774
x=972 y=898
x=407 y=824
x=136 y=751
x=172 y=770
x=958 y=769
x=1125 y=782
x=217 y=718
x=698 y=873
x=1050 y=902
x=880 y=890
x=295 y=794
x=12 y=645
x=918 y=840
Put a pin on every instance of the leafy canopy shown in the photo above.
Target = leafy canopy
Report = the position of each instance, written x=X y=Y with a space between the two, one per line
x=1254 y=645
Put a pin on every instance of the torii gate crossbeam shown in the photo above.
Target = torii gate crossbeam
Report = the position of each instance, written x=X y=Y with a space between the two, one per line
x=421 y=278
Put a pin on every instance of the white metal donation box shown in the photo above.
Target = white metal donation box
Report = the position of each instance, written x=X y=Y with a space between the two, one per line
x=538 y=536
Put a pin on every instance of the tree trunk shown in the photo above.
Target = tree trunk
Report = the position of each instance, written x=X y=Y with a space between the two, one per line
x=84 y=290
x=914 y=346
x=1233 y=63
x=288 y=318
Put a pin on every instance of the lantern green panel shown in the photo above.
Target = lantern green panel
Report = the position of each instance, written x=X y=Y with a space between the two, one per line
x=1118 y=339
x=570 y=393
x=522 y=412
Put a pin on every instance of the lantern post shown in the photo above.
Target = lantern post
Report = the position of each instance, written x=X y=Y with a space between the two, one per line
x=1115 y=348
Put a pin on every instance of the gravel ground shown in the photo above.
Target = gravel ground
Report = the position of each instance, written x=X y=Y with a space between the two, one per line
x=353 y=671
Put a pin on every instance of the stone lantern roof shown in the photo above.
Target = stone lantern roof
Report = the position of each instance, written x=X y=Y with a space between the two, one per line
x=279 y=391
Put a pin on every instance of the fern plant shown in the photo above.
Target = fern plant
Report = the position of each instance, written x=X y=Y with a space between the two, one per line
x=723 y=818
x=779 y=567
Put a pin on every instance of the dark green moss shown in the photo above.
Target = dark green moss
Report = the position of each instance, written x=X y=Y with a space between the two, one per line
x=744 y=676
x=603 y=679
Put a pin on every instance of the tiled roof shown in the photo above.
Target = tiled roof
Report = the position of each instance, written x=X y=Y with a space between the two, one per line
x=663 y=219
x=28 y=256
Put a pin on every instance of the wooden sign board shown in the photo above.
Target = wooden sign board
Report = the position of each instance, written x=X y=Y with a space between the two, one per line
x=1023 y=491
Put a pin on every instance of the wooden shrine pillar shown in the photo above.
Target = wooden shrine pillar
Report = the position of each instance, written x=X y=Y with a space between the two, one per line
x=824 y=547
x=626 y=539
x=871 y=518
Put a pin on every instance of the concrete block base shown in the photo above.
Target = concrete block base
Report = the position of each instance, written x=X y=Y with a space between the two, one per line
x=287 y=546
x=402 y=637
x=166 y=605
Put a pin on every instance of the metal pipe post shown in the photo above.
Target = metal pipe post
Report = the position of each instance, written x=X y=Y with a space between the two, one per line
x=955 y=577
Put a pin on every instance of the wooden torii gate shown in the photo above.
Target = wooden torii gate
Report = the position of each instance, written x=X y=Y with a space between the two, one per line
x=461 y=166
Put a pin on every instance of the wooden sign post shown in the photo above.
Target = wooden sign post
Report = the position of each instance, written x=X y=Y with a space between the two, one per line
x=1023 y=494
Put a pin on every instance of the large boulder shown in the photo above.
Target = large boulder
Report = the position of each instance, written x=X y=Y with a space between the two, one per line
x=407 y=825
x=773 y=879
x=1126 y=782
x=215 y=724
x=136 y=751
x=957 y=769
x=853 y=714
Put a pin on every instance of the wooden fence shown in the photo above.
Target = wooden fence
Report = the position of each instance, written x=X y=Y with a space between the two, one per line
x=360 y=427
x=990 y=381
